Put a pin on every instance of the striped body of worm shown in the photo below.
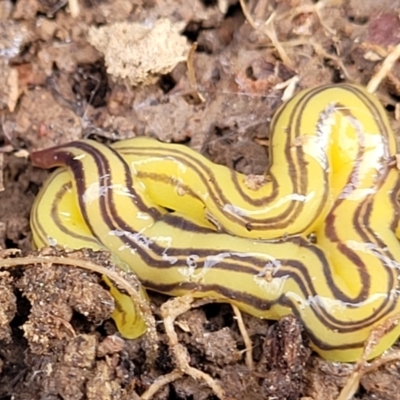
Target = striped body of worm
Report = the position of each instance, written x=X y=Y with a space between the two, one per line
x=184 y=224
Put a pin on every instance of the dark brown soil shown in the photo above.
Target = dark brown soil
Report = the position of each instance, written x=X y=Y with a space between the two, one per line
x=56 y=337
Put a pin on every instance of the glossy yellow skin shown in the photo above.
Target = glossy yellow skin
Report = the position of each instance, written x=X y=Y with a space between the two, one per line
x=179 y=178
x=56 y=207
x=337 y=144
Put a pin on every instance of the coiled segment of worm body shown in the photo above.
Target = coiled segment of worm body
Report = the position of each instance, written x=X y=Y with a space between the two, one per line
x=340 y=288
x=319 y=139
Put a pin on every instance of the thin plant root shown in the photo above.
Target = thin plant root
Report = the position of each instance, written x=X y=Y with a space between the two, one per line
x=312 y=8
x=362 y=367
x=246 y=338
x=268 y=29
x=122 y=279
x=160 y=382
x=170 y=310
x=1 y=172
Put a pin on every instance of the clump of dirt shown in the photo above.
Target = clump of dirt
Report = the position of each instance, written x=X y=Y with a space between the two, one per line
x=152 y=51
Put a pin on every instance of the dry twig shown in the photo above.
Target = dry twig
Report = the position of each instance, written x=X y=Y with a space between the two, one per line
x=386 y=66
x=74 y=8
x=192 y=75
